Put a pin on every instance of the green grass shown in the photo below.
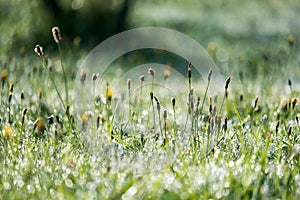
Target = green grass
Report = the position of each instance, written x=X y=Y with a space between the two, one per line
x=249 y=149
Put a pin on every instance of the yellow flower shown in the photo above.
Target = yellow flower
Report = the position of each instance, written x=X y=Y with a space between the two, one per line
x=3 y=75
x=39 y=125
x=109 y=94
x=167 y=73
x=8 y=131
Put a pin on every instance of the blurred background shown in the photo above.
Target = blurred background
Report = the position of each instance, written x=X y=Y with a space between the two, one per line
x=242 y=29
x=88 y=22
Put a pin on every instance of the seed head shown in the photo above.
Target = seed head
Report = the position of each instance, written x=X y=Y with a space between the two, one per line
x=38 y=50
x=173 y=102
x=209 y=75
x=3 y=75
x=277 y=127
x=290 y=82
x=129 y=84
x=50 y=119
x=95 y=76
x=225 y=123
x=142 y=78
x=227 y=82
x=165 y=114
x=11 y=87
x=294 y=102
x=151 y=72
x=56 y=34
x=22 y=95
x=9 y=97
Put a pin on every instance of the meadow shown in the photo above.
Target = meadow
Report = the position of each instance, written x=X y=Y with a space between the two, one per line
x=146 y=140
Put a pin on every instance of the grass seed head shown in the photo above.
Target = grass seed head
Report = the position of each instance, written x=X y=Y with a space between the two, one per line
x=95 y=76
x=173 y=101
x=39 y=50
x=227 y=82
x=225 y=123
x=50 y=119
x=9 y=97
x=56 y=34
x=290 y=82
x=151 y=72
x=129 y=84
x=11 y=87
x=22 y=96
x=277 y=127
x=151 y=96
x=142 y=78
x=165 y=114
x=209 y=75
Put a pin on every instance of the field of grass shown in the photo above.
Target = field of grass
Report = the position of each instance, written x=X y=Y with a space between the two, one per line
x=243 y=143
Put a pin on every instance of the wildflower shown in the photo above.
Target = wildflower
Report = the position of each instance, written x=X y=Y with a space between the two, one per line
x=3 y=76
x=151 y=72
x=294 y=102
x=39 y=50
x=167 y=73
x=56 y=34
x=40 y=93
x=8 y=131
x=109 y=94
x=39 y=125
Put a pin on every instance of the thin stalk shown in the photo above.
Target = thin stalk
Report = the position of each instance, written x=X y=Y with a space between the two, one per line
x=64 y=73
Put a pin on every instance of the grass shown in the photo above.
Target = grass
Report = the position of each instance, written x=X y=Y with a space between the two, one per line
x=244 y=145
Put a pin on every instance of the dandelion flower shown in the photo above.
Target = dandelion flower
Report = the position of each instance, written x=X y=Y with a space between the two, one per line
x=109 y=94
x=8 y=131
